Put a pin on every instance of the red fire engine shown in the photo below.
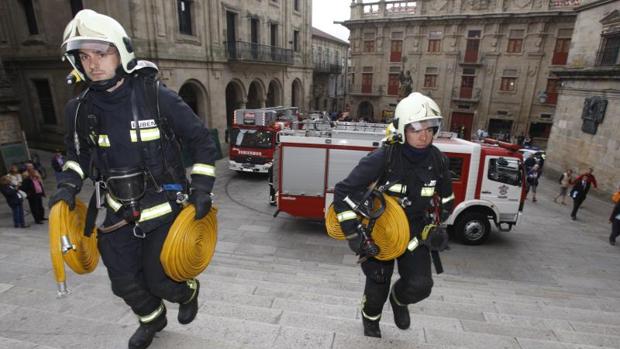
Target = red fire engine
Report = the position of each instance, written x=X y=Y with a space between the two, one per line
x=253 y=135
x=487 y=179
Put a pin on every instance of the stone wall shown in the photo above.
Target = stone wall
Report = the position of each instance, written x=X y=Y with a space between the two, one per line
x=569 y=146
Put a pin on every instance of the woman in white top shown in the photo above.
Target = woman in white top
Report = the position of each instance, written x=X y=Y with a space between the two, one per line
x=565 y=182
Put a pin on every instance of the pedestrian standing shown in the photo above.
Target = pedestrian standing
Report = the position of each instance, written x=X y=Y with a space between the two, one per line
x=565 y=181
x=14 y=176
x=57 y=162
x=532 y=181
x=580 y=190
x=614 y=219
x=14 y=198
x=33 y=186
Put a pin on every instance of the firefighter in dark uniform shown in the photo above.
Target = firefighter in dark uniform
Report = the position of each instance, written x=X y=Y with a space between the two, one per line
x=417 y=173
x=124 y=132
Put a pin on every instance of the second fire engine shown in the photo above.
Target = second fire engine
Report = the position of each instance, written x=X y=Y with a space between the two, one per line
x=487 y=178
x=252 y=137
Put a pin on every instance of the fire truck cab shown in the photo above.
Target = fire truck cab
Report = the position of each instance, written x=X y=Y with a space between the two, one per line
x=253 y=137
x=487 y=178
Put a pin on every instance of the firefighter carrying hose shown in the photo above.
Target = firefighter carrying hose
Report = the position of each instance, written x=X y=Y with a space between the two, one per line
x=123 y=132
x=413 y=170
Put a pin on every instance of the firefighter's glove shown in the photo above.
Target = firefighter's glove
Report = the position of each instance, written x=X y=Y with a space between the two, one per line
x=359 y=241
x=349 y=228
x=446 y=210
x=66 y=192
x=436 y=237
x=202 y=202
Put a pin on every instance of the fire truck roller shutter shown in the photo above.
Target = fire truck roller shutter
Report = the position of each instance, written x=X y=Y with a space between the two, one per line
x=391 y=230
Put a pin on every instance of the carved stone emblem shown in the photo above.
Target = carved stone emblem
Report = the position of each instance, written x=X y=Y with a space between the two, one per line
x=593 y=113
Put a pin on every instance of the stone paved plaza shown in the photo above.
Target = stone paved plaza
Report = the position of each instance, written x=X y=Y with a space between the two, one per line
x=280 y=282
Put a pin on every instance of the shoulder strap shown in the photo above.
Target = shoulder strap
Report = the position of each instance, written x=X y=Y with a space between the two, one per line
x=387 y=164
x=151 y=91
x=439 y=162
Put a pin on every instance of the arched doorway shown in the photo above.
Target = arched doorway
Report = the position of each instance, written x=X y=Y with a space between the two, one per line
x=296 y=94
x=274 y=94
x=365 y=111
x=234 y=100
x=193 y=93
x=188 y=94
x=255 y=96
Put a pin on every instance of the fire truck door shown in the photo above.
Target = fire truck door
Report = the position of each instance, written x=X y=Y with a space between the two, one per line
x=501 y=185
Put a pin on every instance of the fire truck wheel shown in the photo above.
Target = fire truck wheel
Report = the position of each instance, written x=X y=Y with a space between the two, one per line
x=473 y=228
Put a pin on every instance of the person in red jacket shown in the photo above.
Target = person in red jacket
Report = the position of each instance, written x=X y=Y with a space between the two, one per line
x=614 y=219
x=580 y=190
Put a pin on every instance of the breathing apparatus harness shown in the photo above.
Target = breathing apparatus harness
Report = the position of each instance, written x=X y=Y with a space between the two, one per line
x=128 y=185
x=433 y=235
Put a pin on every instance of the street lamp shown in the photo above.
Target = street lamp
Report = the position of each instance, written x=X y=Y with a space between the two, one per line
x=542 y=97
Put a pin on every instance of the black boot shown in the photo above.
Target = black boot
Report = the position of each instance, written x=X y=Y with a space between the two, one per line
x=371 y=327
x=189 y=309
x=401 y=312
x=143 y=336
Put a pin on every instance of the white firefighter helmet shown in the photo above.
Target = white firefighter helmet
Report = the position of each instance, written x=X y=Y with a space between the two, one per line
x=417 y=111
x=92 y=30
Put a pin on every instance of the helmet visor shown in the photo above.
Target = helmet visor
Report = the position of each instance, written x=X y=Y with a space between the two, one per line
x=423 y=125
x=87 y=44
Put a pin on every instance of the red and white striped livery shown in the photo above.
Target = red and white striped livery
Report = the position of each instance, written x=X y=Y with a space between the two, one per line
x=487 y=178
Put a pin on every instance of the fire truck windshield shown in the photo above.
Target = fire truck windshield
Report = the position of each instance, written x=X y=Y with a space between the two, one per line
x=252 y=138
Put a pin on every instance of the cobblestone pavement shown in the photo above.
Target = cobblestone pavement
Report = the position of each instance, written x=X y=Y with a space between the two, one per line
x=282 y=283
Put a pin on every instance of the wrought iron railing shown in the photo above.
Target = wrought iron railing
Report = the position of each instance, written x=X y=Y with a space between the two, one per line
x=466 y=94
x=253 y=52
x=323 y=67
x=367 y=90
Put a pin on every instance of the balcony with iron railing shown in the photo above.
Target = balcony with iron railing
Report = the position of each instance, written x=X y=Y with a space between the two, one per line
x=470 y=58
x=253 y=52
x=367 y=90
x=466 y=94
x=329 y=68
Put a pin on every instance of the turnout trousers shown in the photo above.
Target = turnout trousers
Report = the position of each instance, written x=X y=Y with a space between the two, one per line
x=135 y=271
x=414 y=285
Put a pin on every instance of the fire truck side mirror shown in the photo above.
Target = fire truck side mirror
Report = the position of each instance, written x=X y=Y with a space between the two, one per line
x=502 y=162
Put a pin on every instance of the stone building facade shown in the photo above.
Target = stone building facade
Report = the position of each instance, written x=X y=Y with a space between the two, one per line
x=487 y=63
x=329 y=57
x=10 y=127
x=219 y=55
x=587 y=118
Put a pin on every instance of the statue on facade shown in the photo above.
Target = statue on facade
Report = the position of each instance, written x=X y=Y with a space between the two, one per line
x=406 y=83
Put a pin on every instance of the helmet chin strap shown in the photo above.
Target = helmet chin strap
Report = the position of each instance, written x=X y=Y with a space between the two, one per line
x=106 y=84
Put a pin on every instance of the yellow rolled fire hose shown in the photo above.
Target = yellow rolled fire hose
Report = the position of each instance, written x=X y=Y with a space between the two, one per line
x=68 y=243
x=190 y=244
x=390 y=232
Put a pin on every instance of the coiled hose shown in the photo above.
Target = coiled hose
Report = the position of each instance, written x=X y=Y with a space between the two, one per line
x=190 y=244
x=68 y=243
x=390 y=232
